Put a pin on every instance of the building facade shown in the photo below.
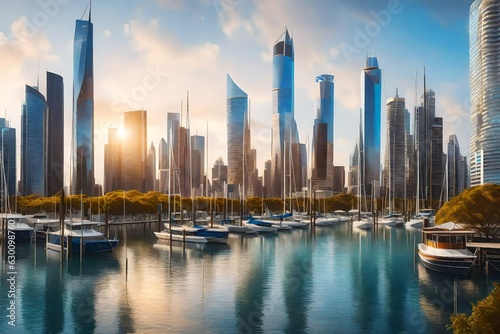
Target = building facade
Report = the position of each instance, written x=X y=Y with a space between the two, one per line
x=8 y=159
x=151 y=169
x=55 y=133
x=33 y=143
x=83 y=108
x=484 y=53
x=323 y=131
x=163 y=159
x=113 y=162
x=283 y=127
x=371 y=80
x=134 y=150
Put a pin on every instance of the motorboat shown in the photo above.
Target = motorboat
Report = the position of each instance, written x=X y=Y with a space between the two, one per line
x=16 y=226
x=83 y=236
x=444 y=249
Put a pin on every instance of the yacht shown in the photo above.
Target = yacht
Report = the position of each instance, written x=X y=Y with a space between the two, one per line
x=443 y=249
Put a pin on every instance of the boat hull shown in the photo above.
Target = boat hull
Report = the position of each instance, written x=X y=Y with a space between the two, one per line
x=443 y=264
x=88 y=246
x=165 y=235
x=23 y=235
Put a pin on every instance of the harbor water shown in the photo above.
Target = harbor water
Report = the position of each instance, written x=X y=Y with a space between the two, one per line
x=332 y=279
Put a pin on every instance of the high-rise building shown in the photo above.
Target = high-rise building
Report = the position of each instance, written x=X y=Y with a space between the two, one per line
x=134 y=150
x=371 y=81
x=151 y=169
x=198 y=163
x=113 y=162
x=33 y=143
x=322 y=164
x=395 y=162
x=8 y=158
x=55 y=133
x=353 y=178
x=283 y=127
x=457 y=168
x=163 y=159
x=173 y=144
x=219 y=177
x=338 y=179
x=83 y=108
x=484 y=53
x=237 y=116
x=429 y=148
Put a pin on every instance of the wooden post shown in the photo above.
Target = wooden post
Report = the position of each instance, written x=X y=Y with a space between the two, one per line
x=126 y=255
x=69 y=246
x=183 y=239
x=106 y=222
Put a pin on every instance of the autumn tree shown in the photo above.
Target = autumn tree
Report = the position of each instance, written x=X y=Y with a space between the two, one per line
x=484 y=318
x=476 y=208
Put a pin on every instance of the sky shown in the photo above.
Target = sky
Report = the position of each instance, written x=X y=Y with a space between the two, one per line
x=149 y=54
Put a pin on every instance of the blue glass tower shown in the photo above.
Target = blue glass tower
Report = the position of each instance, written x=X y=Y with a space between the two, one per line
x=8 y=157
x=283 y=127
x=322 y=169
x=237 y=114
x=55 y=133
x=371 y=79
x=83 y=108
x=33 y=162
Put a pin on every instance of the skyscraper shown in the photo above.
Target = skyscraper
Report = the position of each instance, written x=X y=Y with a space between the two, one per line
x=83 y=108
x=151 y=169
x=395 y=177
x=198 y=163
x=371 y=79
x=237 y=115
x=484 y=53
x=8 y=157
x=113 y=162
x=134 y=150
x=322 y=164
x=457 y=168
x=55 y=133
x=163 y=159
x=283 y=127
x=33 y=143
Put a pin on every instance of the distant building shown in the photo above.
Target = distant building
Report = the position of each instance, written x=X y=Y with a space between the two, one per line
x=83 y=108
x=219 y=178
x=395 y=163
x=134 y=151
x=198 y=164
x=151 y=169
x=338 y=179
x=163 y=160
x=371 y=85
x=33 y=143
x=8 y=157
x=284 y=131
x=55 y=133
x=113 y=162
x=457 y=168
x=322 y=164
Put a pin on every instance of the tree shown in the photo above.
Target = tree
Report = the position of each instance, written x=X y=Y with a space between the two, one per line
x=476 y=208
x=484 y=318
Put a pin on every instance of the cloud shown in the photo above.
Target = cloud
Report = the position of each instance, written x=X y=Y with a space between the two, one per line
x=106 y=33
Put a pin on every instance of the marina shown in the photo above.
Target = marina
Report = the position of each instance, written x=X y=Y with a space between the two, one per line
x=331 y=278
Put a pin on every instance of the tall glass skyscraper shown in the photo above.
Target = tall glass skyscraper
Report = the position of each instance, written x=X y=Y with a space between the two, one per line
x=283 y=128
x=237 y=115
x=163 y=159
x=55 y=133
x=33 y=125
x=322 y=169
x=395 y=162
x=134 y=150
x=484 y=53
x=8 y=157
x=83 y=108
x=371 y=79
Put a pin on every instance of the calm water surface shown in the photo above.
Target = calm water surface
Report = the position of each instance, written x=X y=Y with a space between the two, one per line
x=332 y=280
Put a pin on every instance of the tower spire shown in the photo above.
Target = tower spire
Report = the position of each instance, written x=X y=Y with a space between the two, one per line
x=90 y=11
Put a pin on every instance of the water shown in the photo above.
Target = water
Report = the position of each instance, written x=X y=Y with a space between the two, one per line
x=336 y=280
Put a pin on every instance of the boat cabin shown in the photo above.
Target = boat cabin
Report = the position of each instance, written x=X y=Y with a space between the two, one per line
x=446 y=239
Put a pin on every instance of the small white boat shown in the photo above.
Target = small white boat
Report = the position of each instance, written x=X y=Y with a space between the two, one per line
x=363 y=224
x=165 y=235
x=444 y=249
x=414 y=223
x=261 y=228
x=17 y=227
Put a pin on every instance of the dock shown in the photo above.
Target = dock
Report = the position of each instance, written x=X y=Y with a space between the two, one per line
x=488 y=254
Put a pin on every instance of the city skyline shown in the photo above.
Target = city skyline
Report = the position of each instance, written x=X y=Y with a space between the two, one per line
x=146 y=54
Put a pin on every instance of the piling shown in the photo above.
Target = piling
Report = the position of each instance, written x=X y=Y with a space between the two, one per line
x=183 y=239
x=69 y=246
x=159 y=219
x=106 y=223
x=126 y=256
